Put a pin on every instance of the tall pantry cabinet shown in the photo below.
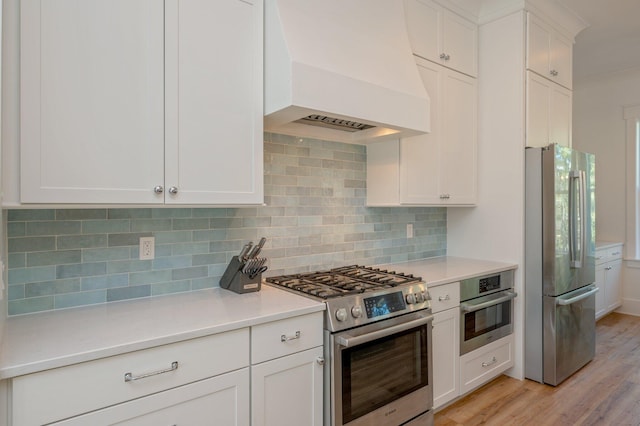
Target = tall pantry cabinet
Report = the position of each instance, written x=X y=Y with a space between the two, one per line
x=141 y=102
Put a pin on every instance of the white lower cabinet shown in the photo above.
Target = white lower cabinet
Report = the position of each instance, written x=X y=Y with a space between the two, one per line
x=287 y=391
x=481 y=365
x=445 y=356
x=287 y=372
x=608 y=279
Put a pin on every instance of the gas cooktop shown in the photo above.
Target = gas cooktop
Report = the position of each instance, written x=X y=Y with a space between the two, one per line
x=357 y=295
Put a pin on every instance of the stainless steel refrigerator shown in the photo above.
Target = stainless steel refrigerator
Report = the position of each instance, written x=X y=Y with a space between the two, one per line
x=559 y=263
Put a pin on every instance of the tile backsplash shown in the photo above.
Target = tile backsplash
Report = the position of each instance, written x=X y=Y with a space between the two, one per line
x=314 y=218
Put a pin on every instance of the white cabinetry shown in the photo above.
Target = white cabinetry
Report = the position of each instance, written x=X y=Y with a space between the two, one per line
x=161 y=380
x=481 y=365
x=287 y=372
x=549 y=111
x=608 y=278
x=548 y=52
x=441 y=36
x=438 y=168
x=445 y=301
x=141 y=102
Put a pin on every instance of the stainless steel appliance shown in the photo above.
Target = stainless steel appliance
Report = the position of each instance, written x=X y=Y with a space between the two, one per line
x=486 y=309
x=560 y=263
x=378 y=346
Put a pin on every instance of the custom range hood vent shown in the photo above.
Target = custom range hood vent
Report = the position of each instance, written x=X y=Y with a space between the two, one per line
x=341 y=70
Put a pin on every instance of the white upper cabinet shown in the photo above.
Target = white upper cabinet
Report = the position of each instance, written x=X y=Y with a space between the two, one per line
x=441 y=36
x=548 y=52
x=549 y=112
x=438 y=168
x=141 y=102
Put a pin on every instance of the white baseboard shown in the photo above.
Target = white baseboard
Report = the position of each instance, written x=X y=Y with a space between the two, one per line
x=630 y=307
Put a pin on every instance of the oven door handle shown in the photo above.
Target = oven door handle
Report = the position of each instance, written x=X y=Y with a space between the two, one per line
x=347 y=340
x=505 y=297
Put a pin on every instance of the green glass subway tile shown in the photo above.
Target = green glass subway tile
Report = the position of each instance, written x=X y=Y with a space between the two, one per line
x=117 y=267
x=229 y=245
x=28 y=215
x=85 y=298
x=207 y=282
x=217 y=270
x=182 y=224
x=31 y=244
x=16 y=260
x=208 y=259
x=105 y=254
x=108 y=226
x=149 y=277
x=210 y=212
x=173 y=237
x=149 y=225
x=162 y=250
x=210 y=235
x=129 y=213
x=130 y=239
x=170 y=287
x=125 y=293
x=105 y=282
x=81 y=241
x=80 y=214
x=47 y=288
x=256 y=222
x=171 y=212
x=43 y=258
x=15 y=292
x=171 y=262
x=28 y=306
x=16 y=229
x=28 y=275
x=225 y=223
x=249 y=234
x=81 y=270
x=189 y=248
x=187 y=273
x=63 y=227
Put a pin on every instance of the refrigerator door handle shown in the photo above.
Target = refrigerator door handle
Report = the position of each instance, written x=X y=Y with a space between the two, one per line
x=565 y=302
x=577 y=211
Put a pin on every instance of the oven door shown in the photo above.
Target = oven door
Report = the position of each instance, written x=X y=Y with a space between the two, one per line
x=485 y=319
x=381 y=373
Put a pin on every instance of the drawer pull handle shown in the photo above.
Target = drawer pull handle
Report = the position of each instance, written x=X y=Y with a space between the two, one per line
x=443 y=298
x=128 y=377
x=285 y=338
x=615 y=253
x=490 y=363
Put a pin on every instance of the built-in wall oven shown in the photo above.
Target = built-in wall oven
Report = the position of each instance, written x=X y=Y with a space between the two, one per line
x=486 y=310
x=378 y=349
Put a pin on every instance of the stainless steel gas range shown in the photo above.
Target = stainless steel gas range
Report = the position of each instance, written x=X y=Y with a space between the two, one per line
x=377 y=344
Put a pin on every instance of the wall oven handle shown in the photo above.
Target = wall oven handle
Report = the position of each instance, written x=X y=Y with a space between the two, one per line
x=347 y=340
x=564 y=302
x=470 y=307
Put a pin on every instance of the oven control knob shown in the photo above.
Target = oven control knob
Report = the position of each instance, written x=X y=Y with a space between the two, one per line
x=356 y=311
x=419 y=297
x=410 y=298
x=341 y=314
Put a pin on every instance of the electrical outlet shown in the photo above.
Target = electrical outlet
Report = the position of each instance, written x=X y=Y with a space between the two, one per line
x=147 y=248
x=409 y=230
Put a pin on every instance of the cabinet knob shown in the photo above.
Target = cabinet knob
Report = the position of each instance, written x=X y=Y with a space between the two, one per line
x=445 y=56
x=553 y=73
x=608 y=268
x=320 y=360
x=158 y=189
x=173 y=190
x=444 y=298
x=445 y=196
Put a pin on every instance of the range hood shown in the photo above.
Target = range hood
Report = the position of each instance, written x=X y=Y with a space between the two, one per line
x=341 y=70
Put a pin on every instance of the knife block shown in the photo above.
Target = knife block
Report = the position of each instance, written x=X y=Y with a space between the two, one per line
x=235 y=280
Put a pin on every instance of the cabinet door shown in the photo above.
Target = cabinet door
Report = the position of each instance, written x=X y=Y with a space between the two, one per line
x=287 y=391
x=601 y=295
x=561 y=60
x=214 y=102
x=613 y=283
x=92 y=101
x=221 y=400
x=458 y=144
x=460 y=44
x=424 y=27
x=560 y=113
x=548 y=53
x=549 y=107
x=446 y=355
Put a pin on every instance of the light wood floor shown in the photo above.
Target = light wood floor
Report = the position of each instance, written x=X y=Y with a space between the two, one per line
x=605 y=392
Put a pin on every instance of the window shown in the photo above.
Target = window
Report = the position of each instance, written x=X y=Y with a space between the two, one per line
x=632 y=118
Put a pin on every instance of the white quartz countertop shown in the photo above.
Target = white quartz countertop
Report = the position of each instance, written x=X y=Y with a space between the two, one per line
x=607 y=244
x=37 y=342
x=446 y=269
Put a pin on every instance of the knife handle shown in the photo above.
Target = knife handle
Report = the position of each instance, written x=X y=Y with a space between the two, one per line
x=244 y=252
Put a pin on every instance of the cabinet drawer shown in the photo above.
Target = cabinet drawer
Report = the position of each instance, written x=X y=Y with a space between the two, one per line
x=444 y=297
x=68 y=391
x=482 y=365
x=607 y=254
x=284 y=337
